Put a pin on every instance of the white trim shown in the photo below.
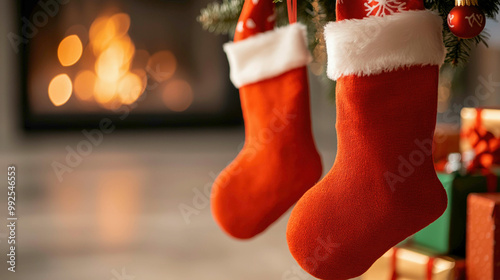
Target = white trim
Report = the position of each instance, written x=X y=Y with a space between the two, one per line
x=268 y=54
x=373 y=45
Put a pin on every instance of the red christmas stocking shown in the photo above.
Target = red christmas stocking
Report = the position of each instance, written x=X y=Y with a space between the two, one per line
x=279 y=161
x=382 y=187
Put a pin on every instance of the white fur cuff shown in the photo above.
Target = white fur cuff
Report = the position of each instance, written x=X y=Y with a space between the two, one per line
x=373 y=45
x=268 y=54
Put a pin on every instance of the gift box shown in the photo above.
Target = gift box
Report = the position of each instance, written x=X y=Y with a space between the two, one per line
x=480 y=147
x=480 y=137
x=483 y=247
x=447 y=234
x=415 y=264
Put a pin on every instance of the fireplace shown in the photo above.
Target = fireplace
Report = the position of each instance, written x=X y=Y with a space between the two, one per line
x=143 y=64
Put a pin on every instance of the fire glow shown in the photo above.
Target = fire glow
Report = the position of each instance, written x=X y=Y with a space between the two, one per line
x=111 y=72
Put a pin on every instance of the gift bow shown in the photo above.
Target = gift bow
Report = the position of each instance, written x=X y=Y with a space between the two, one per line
x=485 y=145
x=486 y=150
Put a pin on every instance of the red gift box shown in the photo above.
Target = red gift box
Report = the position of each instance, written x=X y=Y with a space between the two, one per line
x=483 y=238
x=480 y=138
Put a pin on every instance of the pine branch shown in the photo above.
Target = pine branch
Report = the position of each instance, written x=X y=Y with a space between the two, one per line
x=458 y=50
x=221 y=18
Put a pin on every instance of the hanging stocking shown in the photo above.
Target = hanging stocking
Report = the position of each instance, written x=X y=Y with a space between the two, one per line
x=279 y=161
x=382 y=187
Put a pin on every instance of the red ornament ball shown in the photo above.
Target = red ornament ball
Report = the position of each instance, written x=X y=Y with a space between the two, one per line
x=466 y=21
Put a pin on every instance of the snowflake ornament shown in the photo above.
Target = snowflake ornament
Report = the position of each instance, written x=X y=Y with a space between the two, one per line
x=383 y=7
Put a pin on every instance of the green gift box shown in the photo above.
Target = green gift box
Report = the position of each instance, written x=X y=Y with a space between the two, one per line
x=446 y=235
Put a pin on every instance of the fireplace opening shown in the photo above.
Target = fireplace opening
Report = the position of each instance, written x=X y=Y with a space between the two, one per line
x=143 y=64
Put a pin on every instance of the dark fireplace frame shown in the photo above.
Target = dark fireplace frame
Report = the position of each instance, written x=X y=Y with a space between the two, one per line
x=229 y=116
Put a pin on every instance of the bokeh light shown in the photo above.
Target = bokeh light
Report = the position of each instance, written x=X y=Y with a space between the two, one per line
x=114 y=57
x=162 y=65
x=111 y=70
x=125 y=46
x=129 y=88
x=101 y=32
x=177 y=95
x=110 y=64
x=143 y=76
x=60 y=89
x=70 y=50
x=84 y=85
x=104 y=91
x=107 y=67
x=121 y=23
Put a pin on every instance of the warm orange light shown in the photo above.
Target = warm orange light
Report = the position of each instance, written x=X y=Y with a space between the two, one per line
x=121 y=23
x=161 y=65
x=129 y=88
x=85 y=84
x=115 y=60
x=60 y=89
x=104 y=91
x=143 y=76
x=109 y=65
x=99 y=24
x=70 y=50
x=124 y=48
x=101 y=32
x=177 y=95
x=128 y=48
x=114 y=53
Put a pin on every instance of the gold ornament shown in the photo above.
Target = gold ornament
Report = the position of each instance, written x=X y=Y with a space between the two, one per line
x=466 y=3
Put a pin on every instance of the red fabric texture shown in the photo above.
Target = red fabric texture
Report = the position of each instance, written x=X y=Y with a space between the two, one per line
x=279 y=161
x=382 y=187
x=257 y=16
